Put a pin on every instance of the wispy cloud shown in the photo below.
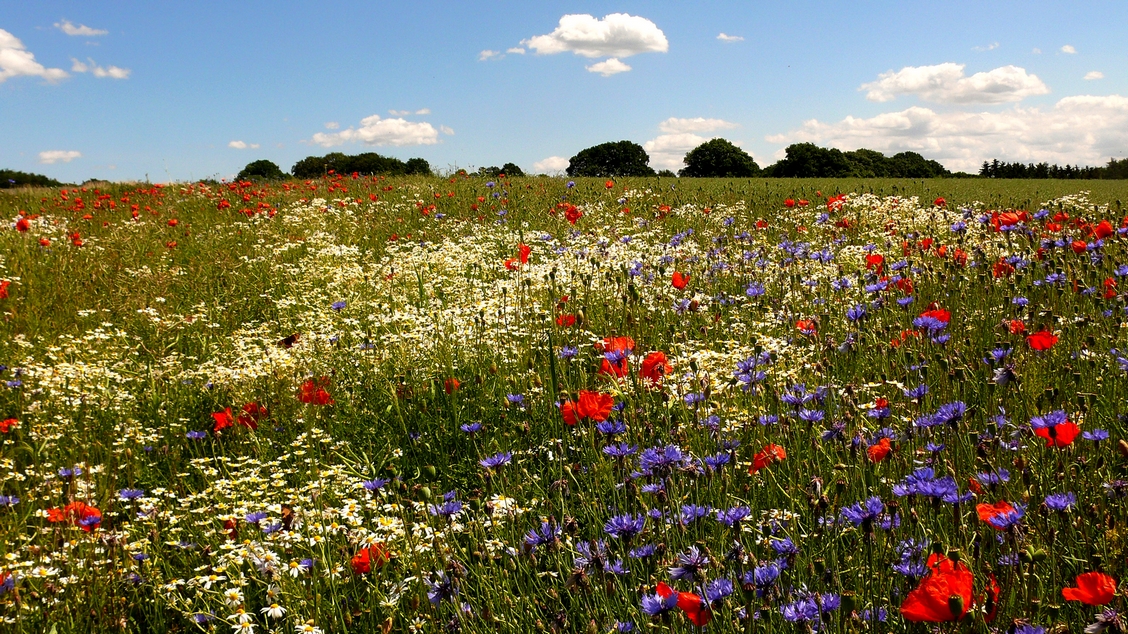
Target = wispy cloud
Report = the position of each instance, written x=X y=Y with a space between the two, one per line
x=1068 y=49
x=81 y=30
x=113 y=72
x=242 y=145
x=729 y=38
x=49 y=157
x=982 y=49
x=1094 y=74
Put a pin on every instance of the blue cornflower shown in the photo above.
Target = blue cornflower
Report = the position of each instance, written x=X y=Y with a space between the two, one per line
x=9 y=500
x=654 y=605
x=863 y=512
x=991 y=478
x=1096 y=435
x=1061 y=502
x=516 y=399
x=625 y=526
x=374 y=484
x=785 y=546
x=689 y=565
x=131 y=494
x=338 y=305
x=767 y=419
x=547 y=533
x=1007 y=519
x=620 y=450
x=470 y=428
x=717 y=590
x=733 y=516
x=591 y=557
x=694 y=397
x=197 y=435
x=660 y=460
x=568 y=352
x=1053 y=419
x=714 y=463
x=618 y=568
x=805 y=609
x=754 y=289
x=496 y=460
x=255 y=517
x=949 y=413
x=692 y=512
x=611 y=427
x=856 y=313
x=449 y=508
x=440 y=588
x=643 y=551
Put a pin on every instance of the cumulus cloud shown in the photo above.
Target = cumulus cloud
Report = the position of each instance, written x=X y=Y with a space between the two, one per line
x=488 y=55
x=375 y=130
x=1094 y=74
x=551 y=165
x=615 y=35
x=241 y=145
x=673 y=125
x=112 y=72
x=1083 y=129
x=81 y=30
x=946 y=83
x=1068 y=49
x=608 y=67
x=58 y=156
x=729 y=38
x=16 y=60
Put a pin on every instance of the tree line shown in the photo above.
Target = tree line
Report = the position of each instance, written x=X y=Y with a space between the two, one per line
x=996 y=169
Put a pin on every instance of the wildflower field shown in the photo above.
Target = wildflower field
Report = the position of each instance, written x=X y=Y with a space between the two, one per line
x=536 y=405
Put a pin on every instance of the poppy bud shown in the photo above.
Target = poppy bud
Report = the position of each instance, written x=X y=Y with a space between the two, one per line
x=954 y=555
x=1122 y=447
x=849 y=602
x=937 y=548
x=956 y=605
x=425 y=493
x=430 y=470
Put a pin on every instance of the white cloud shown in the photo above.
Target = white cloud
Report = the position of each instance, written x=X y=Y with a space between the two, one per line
x=445 y=130
x=70 y=29
x=982 y=49
x=946 y=83
x=551 y=165
x=729 y=38
x=516 y=50
x=1068 y=49
x=1083 y=129
x=1094 y=74
x=113 y=72
x=423 y=111
x=615 y=35
x=608 y=67
x=16 y=60
x=1037 y=51
x=488 y=55
x=58 y=156
x=404 y=113
x=673 y=125
x=374 y=130
x=667 y=151
x=332 y=125
x=241 y=145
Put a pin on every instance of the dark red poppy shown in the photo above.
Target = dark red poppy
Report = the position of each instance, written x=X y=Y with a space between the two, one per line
x=1093 y=588
x=991 y=604
x=944 y=594
x=1042 y=340
x=451 y=385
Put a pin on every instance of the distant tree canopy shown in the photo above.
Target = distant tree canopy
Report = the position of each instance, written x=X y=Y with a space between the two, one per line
x=12 y=178
x=996 y=169
x=261 y=170
x=619 y=158
x=509 y=169
x=807 y=160
x=366 y=164
x=719 y=158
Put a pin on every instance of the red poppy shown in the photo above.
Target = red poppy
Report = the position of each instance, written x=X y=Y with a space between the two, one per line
x=22 y=225
x=375 y=555
x=1001 y=269
x=1016 y=327
x=695 y=609
x=875 y=262
x=1042 y=340
x=451 y=385
x=1103 y=230
x=939 y=202
x=654 y=367
x=938 y=314
x=44 y=242
x=991 y=605
x=1060 y=435
x=945 y=586
x=805 y=326
x=1110 y=288
x=1093 y=588
x=314 y=392
x=523 y=251
x=231 y=527
x=988 y=512
x=615 y=344
x=974 y=485
x=76 y=513
x=573 y=213
x=512 y=264
x=1078 y=246
x=4 y=289
x=594 y=405
x=7 y=424
x=223 y=419
x=609 y=184
x=789 y=203
x=251 y=415
x=679 y=280
x=879 y=451
x=766 y=456
x=565 y=321
x=568 y=411
x=803 y=202
x=836 y=203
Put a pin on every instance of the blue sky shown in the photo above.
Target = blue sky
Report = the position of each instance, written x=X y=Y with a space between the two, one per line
x=126 y=90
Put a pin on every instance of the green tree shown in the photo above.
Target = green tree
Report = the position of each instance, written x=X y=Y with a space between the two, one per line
x=512 y=169
x=807 y=160
x=417 y=166
x=619 y=158
x=261 y=170
x=12 y=178
x=719 y=158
